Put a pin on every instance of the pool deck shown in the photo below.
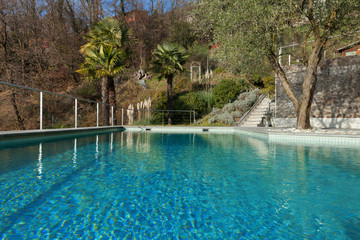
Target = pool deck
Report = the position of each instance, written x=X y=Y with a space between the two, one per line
x=351 y=133
x=276 y=135
x=11 y=135
x=341 y=137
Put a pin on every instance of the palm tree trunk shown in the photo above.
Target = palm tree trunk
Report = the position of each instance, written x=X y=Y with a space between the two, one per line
x=169 y=98
x=105 y=100
x=112 y=97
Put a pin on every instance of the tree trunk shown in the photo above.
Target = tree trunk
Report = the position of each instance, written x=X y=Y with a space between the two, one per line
x=303 y=107
x=304 y=111
x=105 y=100
x=122 y=7
x=308 y=87
x=112 y=97
x=169 y=98
x=20 y=120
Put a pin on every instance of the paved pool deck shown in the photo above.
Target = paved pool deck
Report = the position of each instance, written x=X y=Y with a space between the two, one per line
x=22 y=134
x=333 y=132
x=340 y=137
x=275 y=135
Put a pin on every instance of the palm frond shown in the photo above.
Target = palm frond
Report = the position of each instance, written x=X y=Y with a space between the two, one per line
x=168 y=59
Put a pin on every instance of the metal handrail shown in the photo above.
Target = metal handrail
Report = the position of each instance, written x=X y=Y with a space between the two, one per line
x=243 y=117
x=44 y=91
x=113 y=108
x=87 y=100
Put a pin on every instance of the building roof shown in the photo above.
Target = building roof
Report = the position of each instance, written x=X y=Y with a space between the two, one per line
x=349 y=46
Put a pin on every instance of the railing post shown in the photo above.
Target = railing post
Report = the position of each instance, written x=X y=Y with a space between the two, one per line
x=97 y=114
x=41 y=110
x=75 y=112
x=289 y=59
x=112 y=116
x=122 y=116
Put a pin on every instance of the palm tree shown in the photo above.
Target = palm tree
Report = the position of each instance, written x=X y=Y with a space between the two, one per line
x=110 y=35
x=105 y=63
x=168 y=60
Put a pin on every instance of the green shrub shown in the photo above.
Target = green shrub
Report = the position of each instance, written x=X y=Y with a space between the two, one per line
x=208 y=97
x=226 y=91
x=159 y=101
x=218 y=70
x=188 y=101
x=229 y=107
x=269 y=86
x=192 y=101
x=257 y=81
x=232 y=112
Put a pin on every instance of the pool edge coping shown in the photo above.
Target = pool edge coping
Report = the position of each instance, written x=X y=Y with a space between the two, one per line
x=267 y=133
x=11 y=135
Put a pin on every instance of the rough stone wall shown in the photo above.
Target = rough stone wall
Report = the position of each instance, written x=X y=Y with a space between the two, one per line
x=337 y=94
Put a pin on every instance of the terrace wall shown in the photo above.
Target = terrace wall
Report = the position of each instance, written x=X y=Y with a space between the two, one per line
x=337 y=95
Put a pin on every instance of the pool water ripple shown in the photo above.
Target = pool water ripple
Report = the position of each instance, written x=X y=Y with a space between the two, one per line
x=179 y=186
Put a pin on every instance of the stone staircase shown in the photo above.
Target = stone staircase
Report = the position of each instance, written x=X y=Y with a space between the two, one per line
x=255 y=116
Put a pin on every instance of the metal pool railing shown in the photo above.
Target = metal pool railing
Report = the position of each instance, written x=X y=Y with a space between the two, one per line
x=157 y=117
x=40 y=109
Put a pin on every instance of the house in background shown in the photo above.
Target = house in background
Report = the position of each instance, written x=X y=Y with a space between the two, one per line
x=136 y=15
x=350 y=50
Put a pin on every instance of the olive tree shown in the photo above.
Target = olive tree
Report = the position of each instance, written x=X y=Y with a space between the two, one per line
x=259 y=27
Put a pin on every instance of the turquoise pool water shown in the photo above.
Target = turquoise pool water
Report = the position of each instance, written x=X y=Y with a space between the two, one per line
x=129 y=185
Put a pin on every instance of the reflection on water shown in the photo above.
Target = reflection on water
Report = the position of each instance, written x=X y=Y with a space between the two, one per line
x=40 y=165
x=75 y=153
x=141 y=140
x=97 y=147
x=217 y=184
x=111 y=141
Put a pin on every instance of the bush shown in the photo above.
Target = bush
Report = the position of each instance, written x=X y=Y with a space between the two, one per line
x=159 y=101
x=226 y=91
x=188 y=101
x=269 y=86
x=257 y=81
x=208 y=98
x=215 y=111
x=191 y=101
x=232 y=112
x=229 y=107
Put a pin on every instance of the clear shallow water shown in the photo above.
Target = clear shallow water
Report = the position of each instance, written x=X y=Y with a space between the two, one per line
x=130 y=185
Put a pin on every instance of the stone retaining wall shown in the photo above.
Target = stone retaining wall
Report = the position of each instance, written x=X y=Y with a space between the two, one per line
x=337 y=95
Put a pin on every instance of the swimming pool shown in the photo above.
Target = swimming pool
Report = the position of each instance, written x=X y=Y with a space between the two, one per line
x=141 y=185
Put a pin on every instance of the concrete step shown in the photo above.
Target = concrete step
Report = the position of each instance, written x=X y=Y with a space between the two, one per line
x=249 y=125
x=252 y=122
x=257 y=114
